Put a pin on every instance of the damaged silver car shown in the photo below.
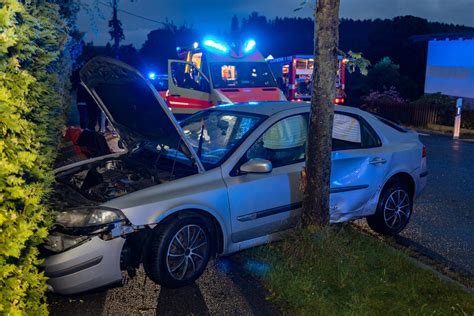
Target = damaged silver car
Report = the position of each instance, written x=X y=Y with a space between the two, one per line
x=223 y=180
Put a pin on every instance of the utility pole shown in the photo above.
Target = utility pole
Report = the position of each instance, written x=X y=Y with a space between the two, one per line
x=116 y=31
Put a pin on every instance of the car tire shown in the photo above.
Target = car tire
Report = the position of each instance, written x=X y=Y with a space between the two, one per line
x=178 y=250
x=394 y=209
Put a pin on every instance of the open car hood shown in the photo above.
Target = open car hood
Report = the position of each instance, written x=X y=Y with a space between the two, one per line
x=133 y=106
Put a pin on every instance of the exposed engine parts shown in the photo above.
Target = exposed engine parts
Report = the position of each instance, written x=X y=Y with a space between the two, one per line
x=110 y=179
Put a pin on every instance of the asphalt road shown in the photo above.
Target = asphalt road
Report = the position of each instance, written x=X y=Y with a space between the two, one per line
x=443 y=218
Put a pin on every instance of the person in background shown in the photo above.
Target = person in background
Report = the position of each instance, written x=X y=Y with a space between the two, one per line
x=86 y=139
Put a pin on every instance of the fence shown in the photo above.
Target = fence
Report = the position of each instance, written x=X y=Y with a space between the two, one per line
x=422 y=115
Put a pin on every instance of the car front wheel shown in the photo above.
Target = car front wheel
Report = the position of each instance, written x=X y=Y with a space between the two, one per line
x=178 y=251
x=393 y=210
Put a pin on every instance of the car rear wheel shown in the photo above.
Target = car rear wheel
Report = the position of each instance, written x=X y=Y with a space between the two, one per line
x=393 y=210
x=178 y=251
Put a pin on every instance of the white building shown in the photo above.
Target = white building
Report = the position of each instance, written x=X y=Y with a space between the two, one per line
x=450 y=65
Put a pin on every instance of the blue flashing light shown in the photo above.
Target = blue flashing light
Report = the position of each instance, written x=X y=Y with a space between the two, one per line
x=151 y=75
x=216 y=45
x=249 y=45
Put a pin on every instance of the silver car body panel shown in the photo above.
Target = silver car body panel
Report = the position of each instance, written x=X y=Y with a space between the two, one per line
x=205 y=192
x=253 y=209
x=90 y=265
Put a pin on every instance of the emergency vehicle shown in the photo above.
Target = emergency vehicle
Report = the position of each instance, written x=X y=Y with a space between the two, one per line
x=293 y=75
x=213 y=72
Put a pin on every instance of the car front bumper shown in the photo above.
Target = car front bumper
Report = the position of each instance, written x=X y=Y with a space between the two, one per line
x=93 y=264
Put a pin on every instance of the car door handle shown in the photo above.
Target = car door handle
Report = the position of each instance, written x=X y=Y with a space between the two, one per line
x=377 y=161
x=176 y=95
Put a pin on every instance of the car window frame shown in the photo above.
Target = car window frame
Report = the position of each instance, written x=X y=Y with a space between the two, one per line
x=235 y=170
x=362 y=123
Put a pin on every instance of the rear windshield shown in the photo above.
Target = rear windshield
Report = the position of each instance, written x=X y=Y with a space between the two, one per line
x=391 y=124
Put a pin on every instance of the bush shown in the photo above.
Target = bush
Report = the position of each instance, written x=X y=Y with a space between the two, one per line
x=33 y=90
x=445 y=106
x=429 y=109
x=446 y=110
x=380 y=101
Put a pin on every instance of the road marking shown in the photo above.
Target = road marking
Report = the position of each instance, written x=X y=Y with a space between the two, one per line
x=423 y=134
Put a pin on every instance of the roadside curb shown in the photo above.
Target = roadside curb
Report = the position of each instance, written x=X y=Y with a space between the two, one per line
x=442 y=276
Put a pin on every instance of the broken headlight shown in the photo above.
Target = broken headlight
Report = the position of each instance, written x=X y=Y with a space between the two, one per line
x=59 y=242
x=89 y=217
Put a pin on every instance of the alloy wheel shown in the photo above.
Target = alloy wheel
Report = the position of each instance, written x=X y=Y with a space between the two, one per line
x=397 y=209
x=187 y=252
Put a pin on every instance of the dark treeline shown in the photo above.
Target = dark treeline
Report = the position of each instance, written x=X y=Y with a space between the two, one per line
x=375 y=39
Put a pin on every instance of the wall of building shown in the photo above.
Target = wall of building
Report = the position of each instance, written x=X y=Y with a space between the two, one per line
x=450 y=68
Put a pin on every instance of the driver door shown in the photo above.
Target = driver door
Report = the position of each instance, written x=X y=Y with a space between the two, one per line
x=188 y=88
x=264 y=203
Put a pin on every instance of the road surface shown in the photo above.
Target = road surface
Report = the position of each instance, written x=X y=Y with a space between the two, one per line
x=443 y=218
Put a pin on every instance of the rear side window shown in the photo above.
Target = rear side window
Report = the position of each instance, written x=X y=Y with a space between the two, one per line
x=350 y=132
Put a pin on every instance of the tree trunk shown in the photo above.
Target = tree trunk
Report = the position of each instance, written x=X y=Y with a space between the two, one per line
x=318 y=158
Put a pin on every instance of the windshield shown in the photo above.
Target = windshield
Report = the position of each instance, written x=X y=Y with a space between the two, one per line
x=215 y=133
x=241 y=75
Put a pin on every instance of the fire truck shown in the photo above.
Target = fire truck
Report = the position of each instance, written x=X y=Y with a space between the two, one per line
x=213 y=72
x=293 y=75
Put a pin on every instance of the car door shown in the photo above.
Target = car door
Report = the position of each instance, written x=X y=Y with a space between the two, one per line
x=359 y=166
x=188 y=88
x=263 y=203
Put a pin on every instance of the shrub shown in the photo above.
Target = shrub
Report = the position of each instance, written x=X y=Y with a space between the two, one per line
x=444 y=105
x=446 y=110
x=382 y=102
x=34 y=76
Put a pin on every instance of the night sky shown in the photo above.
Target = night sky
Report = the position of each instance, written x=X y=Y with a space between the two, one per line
x=213 y=16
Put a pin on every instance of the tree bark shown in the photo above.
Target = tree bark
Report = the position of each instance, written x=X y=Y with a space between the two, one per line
x=318 y=159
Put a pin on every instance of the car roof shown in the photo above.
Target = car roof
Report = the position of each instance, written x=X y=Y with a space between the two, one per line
x=270 y=108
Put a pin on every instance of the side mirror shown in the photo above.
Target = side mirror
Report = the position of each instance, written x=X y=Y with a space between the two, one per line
x=256 y=165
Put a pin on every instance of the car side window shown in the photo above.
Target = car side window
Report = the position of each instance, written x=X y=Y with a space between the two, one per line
x=188 y=76
x=283 y=143
x=346 y=133
x=349 y=132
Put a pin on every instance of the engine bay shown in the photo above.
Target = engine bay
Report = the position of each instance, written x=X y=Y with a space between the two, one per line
x=102 y=180
x=110 y=179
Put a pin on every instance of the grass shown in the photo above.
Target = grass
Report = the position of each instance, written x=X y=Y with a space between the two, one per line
x=447 y=130
x=346 y=272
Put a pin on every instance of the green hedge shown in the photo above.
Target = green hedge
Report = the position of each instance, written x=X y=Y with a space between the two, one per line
x=34 y=72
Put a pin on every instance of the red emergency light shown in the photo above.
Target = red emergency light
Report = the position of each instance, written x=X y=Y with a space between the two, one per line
x=339 y=100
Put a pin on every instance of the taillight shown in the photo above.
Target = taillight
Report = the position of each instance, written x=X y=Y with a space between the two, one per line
x=423 y=153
